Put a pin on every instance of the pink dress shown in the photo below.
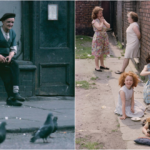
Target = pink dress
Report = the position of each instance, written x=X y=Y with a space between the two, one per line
x=100 y=42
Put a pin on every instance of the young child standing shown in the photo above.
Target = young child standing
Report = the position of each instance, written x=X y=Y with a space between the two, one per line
x=146 y=72
x=127 y=106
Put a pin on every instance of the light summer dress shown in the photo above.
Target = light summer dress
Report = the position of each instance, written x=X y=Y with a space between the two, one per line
x=146 y=90
x=139 y=108
x=100 y=42
x=133 y=43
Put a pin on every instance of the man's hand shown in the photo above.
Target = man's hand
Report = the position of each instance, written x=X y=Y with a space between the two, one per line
x=8 y=59
x=2 y=59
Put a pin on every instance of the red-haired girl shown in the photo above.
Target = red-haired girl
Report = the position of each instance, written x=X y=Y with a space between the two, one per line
x=127 y=106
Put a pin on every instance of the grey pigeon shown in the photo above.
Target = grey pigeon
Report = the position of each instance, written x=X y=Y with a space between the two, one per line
x=55 y=125
x=2 y=132
x=45 y=130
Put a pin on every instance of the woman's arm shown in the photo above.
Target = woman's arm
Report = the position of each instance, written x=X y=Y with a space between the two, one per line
x=98 y=26
x=137 y=32
x=122 y=95
x=144 y=71
x=132 y=103
x=106 y=24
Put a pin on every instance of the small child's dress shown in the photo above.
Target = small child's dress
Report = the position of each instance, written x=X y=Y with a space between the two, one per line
x=139 y=108
x=146 y=90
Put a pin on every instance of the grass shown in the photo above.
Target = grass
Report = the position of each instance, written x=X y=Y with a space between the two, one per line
x=119 y=57
x=84 y=84
x=94 y=78
x=118 y=125
x=119 y=45
x=114 y=130
x=83 y=47
x=107 y=76
x=93 y=83
x=90 y=145
x=85 y=144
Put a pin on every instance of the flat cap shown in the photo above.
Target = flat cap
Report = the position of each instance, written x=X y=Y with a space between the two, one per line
x=7 y=15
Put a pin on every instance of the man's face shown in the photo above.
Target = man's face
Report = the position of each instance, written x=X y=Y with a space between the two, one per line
x=8 y=23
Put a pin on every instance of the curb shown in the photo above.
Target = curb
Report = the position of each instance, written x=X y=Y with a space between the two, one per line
x=25 y=130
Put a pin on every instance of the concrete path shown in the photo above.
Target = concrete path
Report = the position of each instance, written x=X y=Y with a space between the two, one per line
x=130 y=130
x=32 y=114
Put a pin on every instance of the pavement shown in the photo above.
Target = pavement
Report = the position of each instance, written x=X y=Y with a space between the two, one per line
x=32 y=114
x=61 y=140
x=130 y=130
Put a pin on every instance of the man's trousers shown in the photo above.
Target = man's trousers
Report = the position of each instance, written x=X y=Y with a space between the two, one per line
x=9 y=73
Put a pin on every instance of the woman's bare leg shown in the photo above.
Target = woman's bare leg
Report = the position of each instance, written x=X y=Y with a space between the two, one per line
x=125 y=64
x=102 y=60
x=97 y=63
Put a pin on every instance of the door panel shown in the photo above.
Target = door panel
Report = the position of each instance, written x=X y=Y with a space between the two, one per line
x=106 y=12
x=54 y=53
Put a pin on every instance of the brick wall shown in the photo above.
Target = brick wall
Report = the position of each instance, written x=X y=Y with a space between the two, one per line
x=144 y=17
x=142 y=8
x=127 y=7
x=83 y=17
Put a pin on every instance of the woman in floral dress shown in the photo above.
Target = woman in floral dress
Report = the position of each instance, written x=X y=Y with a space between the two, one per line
x=100 y=43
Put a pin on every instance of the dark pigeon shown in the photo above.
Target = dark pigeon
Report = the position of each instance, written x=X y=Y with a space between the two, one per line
x=2 y=132
x=55 y=125
x=45 y=130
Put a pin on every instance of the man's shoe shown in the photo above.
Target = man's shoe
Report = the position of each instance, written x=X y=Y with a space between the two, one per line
x=12 y=102
x=18 y=97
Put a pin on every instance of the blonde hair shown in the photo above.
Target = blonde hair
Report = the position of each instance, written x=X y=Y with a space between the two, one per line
x=123 y=77
x=95 y=11
x=133 y=15
x=147 y=119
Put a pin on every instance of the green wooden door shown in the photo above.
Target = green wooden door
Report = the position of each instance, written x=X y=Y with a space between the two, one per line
x=53 y=43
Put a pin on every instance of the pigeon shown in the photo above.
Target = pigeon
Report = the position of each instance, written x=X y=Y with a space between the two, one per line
x=45 y=130
x=2 y=132
x=55 y=125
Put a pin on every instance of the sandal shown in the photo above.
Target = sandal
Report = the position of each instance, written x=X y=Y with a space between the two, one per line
x=118 y=72
x=101 y=67
x=98 y=70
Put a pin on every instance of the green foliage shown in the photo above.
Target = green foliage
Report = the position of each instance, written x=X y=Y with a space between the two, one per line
x=84 y=84
x=85 y=144
x=94 y=78
x=119 y=45
x=83 y=47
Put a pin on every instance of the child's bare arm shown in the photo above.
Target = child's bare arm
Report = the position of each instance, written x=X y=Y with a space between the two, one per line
x=144 y=71
x=122 y=95
x=144 y=130
x=132 y=103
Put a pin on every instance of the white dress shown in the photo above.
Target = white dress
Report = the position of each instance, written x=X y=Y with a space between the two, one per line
x=133 y=43
x=139 y=108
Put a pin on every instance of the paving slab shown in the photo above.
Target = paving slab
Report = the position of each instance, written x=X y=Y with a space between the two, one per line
x=32 y=114
x=130 y=130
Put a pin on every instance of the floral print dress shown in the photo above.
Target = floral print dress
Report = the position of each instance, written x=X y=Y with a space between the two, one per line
x=100 y=42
